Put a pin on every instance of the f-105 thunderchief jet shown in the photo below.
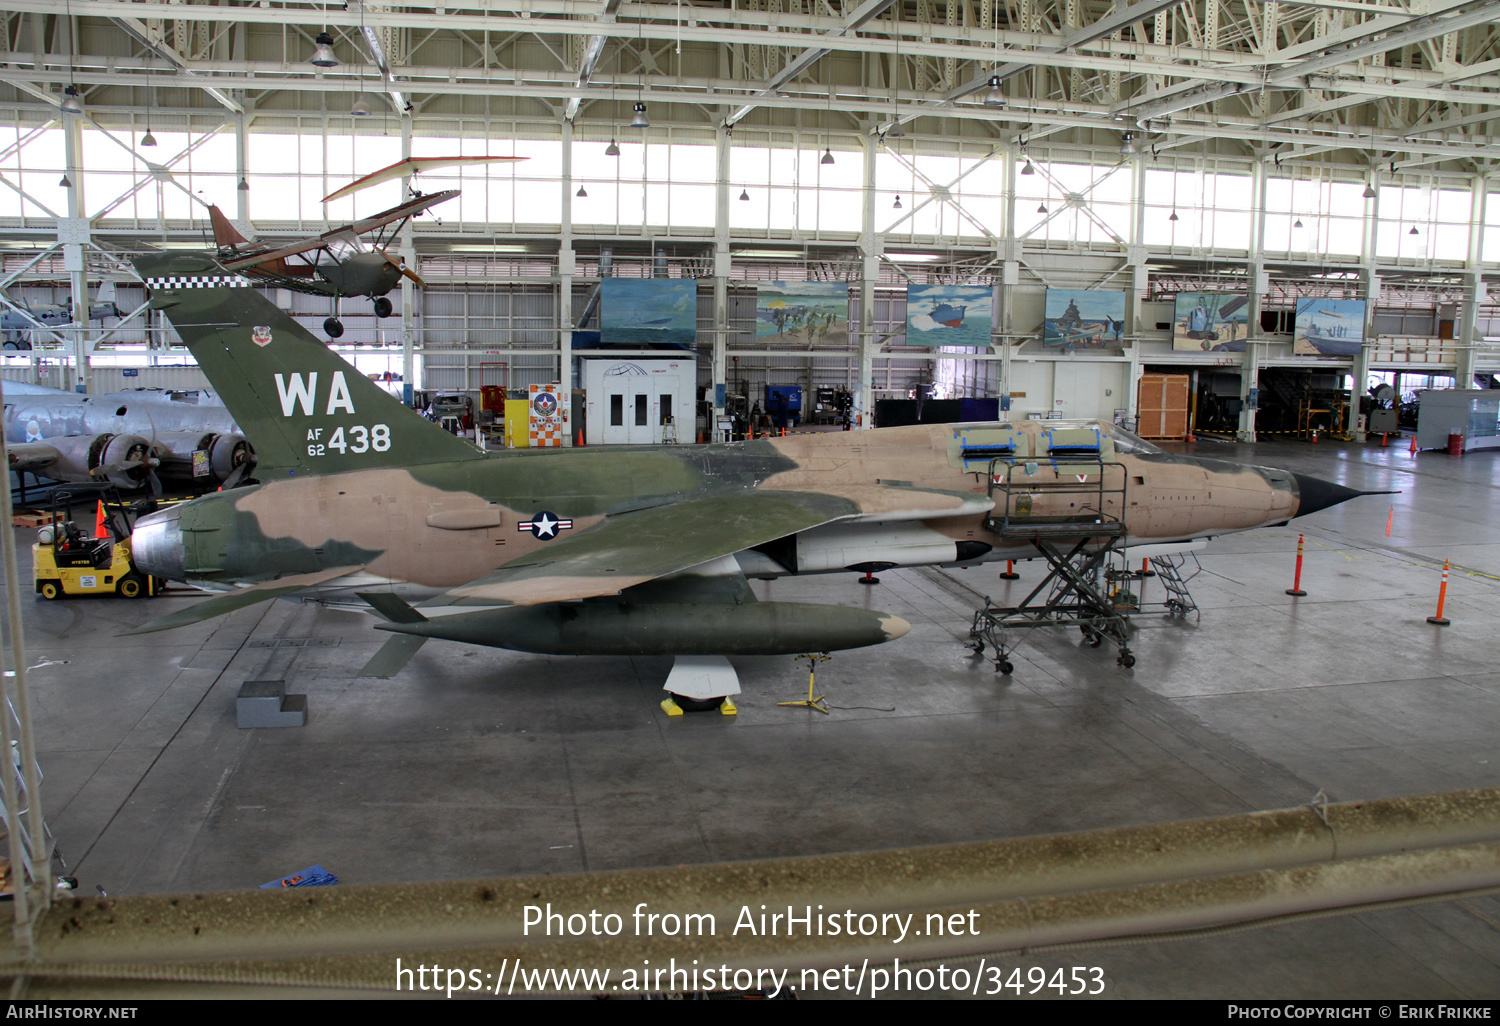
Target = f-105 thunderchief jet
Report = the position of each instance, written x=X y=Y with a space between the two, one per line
x=640 y=551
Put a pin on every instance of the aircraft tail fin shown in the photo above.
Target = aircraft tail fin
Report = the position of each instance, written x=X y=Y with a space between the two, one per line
x=306 y=410
x=224 y=232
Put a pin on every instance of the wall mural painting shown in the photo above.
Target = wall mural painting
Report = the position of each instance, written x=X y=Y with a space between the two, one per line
x=1329 y=327
x=1217 y=322
x=1084 y=319
x=808 y=312
x=649 y=311
x=950 y=315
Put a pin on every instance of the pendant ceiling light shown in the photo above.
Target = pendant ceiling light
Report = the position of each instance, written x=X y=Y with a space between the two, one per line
x=1414 y=231
x=1173 y=217
x=994 y=98
x=827 y=157
x=1297 y=223
x=1369 y=192
x=72 y=101
x=613 y=149
x=323 y=55
x=640 y=120
x=897 y=205
x=362 y=108
x=1127 y=145
x=744 y=195
x=148 y=139
x=1041 y=208
x=582 y=193
x=1028 y=169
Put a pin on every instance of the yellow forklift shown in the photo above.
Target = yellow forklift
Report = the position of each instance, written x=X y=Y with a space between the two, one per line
x=65 y=561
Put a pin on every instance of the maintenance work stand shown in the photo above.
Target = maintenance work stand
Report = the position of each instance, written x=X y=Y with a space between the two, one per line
x=1063 y=491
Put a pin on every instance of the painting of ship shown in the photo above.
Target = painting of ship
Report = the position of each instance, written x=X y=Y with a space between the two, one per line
x=948 y=315
x=1084 y=319
x=1329 y=327
x=648 y=311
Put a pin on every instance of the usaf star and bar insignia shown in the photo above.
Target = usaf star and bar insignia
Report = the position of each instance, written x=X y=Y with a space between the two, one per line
x=545 y=525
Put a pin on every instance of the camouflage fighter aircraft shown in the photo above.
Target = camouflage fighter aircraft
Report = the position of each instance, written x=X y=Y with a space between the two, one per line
x=639 y=551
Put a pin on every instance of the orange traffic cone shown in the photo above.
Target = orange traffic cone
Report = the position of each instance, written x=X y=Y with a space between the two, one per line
x=1413 y=445
x=99 y=531
x=579 y=444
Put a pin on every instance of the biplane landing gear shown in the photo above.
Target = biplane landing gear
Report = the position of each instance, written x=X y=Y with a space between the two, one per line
x=333 y=327
x=383 y=306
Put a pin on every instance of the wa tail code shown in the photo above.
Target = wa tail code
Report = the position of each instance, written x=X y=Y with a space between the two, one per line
x=297 y=392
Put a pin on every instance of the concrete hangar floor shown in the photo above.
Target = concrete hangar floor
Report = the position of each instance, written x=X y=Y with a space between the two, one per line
x=477 y=762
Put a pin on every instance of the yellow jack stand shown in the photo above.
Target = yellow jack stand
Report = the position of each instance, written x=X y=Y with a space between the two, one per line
x=813 y=659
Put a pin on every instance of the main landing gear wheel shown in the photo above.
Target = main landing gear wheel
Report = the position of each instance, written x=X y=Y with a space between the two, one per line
x=333 y=327
x=696 y=704
x=50 y=590
x=382 y=306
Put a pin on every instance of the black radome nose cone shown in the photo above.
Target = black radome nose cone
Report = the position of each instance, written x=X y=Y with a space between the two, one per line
x=1313 y=494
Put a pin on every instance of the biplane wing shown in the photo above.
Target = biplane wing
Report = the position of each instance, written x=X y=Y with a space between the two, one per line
x=409 y=166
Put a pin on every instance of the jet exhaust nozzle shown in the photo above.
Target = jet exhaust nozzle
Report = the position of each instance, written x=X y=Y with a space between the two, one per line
x=156 y=545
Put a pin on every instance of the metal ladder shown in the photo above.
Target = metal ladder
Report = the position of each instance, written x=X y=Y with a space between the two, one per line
x=1179 y=601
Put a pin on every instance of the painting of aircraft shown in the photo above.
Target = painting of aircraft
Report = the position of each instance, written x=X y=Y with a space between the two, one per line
x=1329 y=327
x=1210 y=322
x=336 y=263
x=589 y=551
x=1084 y=319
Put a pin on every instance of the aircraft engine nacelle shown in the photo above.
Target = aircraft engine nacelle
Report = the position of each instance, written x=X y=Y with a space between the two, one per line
x=117 y=459
x=225 y=453
x=862 y=547
x=621 y=628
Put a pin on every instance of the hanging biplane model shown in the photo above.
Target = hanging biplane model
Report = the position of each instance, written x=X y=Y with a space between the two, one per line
x=335 y=264
x=641 y=552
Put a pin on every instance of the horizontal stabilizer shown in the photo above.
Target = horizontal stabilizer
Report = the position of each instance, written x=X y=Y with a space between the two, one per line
x=231 y=601
x=391 y=606
x=393 y=656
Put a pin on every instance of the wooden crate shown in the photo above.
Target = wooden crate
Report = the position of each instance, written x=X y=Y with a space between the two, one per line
x=1162 y=406
x=34 y=518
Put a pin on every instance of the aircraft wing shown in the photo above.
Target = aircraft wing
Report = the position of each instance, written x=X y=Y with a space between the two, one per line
x=408 y=166
x=30 y=455
x=229 y=601
x=631 y=548
x=379 y=220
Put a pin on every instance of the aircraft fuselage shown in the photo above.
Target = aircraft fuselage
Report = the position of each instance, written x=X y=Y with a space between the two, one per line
x=439 y=526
